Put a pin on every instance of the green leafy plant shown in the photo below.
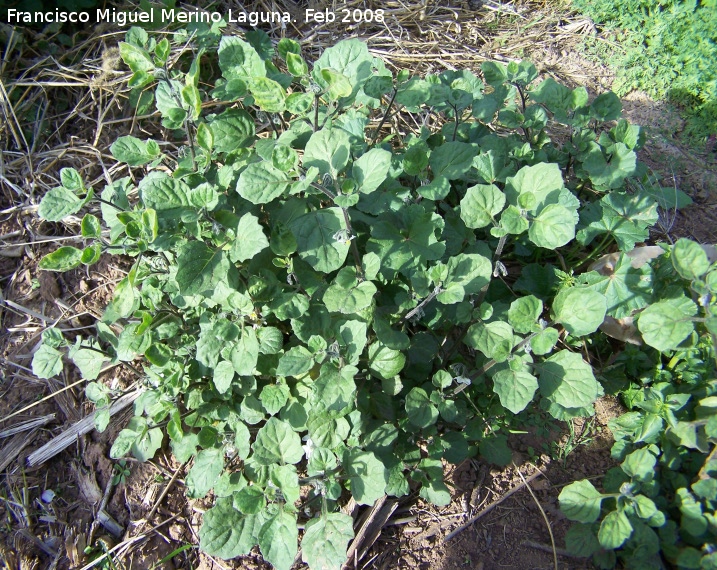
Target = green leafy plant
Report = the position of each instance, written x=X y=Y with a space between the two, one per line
x=662 y=499
x=666 y=48
x=330 y=307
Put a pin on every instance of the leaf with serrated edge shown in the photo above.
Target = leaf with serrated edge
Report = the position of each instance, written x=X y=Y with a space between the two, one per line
x=205 y=472
x=276 y=442
x=615 y=529
x=580 y=501
x=665 y=324
x=227 y=533
x=371 y=169
x=200 y=268
x=46 y=362
x=318 y=241
x=367 y=475
x=250 y=239
x=59 y=203
x=515 y=388
x=568 y=380
x=261 y=183
x=580 y=310
x=481 y=204
x=278 y=540
x=325 y=541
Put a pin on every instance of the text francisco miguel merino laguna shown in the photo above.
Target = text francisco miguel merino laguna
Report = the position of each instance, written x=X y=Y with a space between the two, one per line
x=121 y=18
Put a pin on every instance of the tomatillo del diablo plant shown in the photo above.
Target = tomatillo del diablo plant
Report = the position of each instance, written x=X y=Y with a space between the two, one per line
x=324 y=312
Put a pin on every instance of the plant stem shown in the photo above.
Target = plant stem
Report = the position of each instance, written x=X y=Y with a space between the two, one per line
x=316 y=112
x=385 y=116
x=410 y=314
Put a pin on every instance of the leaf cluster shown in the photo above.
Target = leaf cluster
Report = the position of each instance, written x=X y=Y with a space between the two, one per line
x=326 y=308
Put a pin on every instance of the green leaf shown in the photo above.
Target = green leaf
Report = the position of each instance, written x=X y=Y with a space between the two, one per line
x=89 y=362
x=615 y=529
x=689 y=259
x=239 y=60
x=326 y=540
x=407 y=238
x=625 y=288
x=513 y=221
x=226 y=533
x=286 y=479
x=421 y=412
x=471 y=271
x=524 y=313
x=145 y=447
x=385 y=362
x=327 y=150
x=640 y=465
x=232 y=129
x=278 y=540
x=223 y=376
x=59 y=203
x=371 y=169
x=261 y=182
x=250 y=239
x=481 y=204
x=273 y=397
x=123 y=443
x=367 y=476
x=270 y=340
x=553 y=227
x=334 y=390
x=249 y=500
x=319 y=241
x=452 y=159
x=205 y=137
x=541 y=182
x=245 y=354
x=580 y=540
x=347 y=295
x=90 y=227
x=515 y=388
x=134 y=151
x=665 y=324
x=46 y=362
x=580 y=310
x=137 y=58
x=580 y=501
x=200 y=268
x=568 y=380
x=495 y=450
x=163 y=193
x=295 y=362
x=606 y=107
x=208 y=466
x=268 y=94
x=339 y=85
x=62 y=259
x=626 y=217
x=296 y=65
x=544 y=341
x=610 y=172
x=351 y=58
x=284 y=158
x=429 y=473
x=494 y=340
x=351 y=336
x=72 y=180
x=276 y=442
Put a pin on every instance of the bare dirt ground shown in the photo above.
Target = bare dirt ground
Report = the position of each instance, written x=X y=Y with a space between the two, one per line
x=512 y=520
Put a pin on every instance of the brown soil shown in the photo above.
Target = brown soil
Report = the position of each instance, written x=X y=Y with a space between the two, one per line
x=514 y=534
